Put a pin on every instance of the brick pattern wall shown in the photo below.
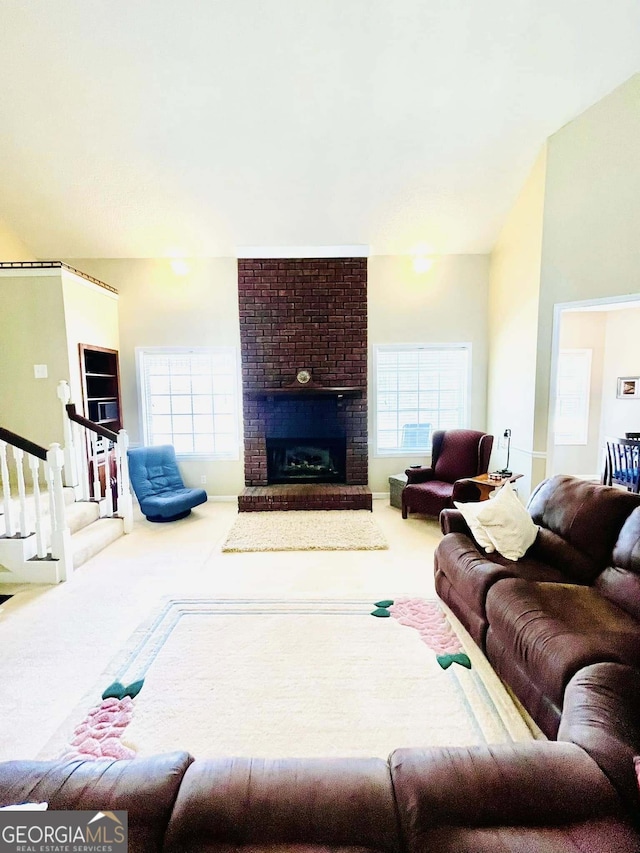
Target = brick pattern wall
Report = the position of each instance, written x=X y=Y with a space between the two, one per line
x=303 y=313
x=292 y=417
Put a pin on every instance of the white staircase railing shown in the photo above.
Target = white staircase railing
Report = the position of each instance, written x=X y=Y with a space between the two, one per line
x=24 y=555
x=91 y=449
x=35 y=540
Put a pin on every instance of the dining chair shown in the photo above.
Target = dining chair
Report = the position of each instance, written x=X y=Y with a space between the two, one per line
x=622 y=464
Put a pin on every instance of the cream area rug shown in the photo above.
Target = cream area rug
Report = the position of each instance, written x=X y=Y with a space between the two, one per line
x=290 y=678
x=304 y=530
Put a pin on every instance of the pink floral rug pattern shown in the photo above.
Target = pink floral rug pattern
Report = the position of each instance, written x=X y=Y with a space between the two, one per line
x=430 y=621
x=99 y=734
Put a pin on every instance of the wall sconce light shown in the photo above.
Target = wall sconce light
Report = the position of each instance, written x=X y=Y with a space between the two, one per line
x=180 y=266
x=422 y=264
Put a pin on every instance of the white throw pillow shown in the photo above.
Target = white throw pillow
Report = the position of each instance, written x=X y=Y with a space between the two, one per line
x=469 y=512
x=26 y=807
x=505 y=523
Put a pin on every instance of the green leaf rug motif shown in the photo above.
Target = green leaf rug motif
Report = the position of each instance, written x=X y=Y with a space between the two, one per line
x=119 y=691
x=115 y=691
x=445 y=661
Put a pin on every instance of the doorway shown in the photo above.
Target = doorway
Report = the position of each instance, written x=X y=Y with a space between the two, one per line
x=595 y=344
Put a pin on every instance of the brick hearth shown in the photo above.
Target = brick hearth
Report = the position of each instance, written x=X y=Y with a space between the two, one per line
x=295 y=314
x=304 y=496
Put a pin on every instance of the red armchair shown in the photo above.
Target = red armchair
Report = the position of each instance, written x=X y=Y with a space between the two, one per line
x=455 y=454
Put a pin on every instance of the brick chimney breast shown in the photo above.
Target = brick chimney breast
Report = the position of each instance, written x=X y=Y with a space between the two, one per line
x=295 y=314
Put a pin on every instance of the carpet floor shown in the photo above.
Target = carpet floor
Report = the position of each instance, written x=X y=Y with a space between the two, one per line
x=304 y=530
x=290 y=678
x=59 y=641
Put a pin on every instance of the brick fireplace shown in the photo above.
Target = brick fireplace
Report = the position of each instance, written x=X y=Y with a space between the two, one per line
x=306 y=314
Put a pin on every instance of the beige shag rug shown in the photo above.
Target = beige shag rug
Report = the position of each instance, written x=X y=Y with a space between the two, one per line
x=302 y=530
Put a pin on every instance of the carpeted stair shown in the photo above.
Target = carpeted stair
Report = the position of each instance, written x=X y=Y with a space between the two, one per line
x=90 y=534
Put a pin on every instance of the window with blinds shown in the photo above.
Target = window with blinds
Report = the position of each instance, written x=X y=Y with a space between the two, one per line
x=419 y=388
x=189 y=398
x=572 y=396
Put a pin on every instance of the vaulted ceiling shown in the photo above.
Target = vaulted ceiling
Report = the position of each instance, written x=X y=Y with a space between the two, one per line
x=142 y=128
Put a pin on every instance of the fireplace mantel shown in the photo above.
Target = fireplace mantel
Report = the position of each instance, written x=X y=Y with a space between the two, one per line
x=306 y=391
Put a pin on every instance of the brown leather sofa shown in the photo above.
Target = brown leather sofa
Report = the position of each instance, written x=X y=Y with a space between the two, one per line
x=571 y=601
x=577 y=795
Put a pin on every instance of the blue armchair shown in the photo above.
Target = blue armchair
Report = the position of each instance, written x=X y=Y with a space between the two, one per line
x=157 y=483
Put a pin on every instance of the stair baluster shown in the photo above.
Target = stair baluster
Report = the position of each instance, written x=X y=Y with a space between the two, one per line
x=70 y=456
x=81 y=445
x=9 y=527
x=97 y=491
x=48 y=474
x=125 y=501
x=41 y=546
x=60 y=533
x=23 y=527
x=108 y=480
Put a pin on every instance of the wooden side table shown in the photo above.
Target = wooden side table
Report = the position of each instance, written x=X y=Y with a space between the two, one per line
x=487 y=485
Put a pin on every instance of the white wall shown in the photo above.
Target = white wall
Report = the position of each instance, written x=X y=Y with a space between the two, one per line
x=91 y=317
x=46 y=314
x=572 y=236
x=448 y=304
x=32 y=331
x=159 y=308
x=622 y=358
x=590 y=244
x=11 y=246
x=514 y=287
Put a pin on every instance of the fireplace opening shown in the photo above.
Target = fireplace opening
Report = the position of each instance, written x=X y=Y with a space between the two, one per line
x=306 y=460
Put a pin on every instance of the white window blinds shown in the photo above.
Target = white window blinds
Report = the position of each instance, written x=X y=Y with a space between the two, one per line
x=419 y=389
x=572 y=396
x=189 y=398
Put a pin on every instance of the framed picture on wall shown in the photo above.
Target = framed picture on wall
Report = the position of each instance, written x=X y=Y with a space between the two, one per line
x=628 y=387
